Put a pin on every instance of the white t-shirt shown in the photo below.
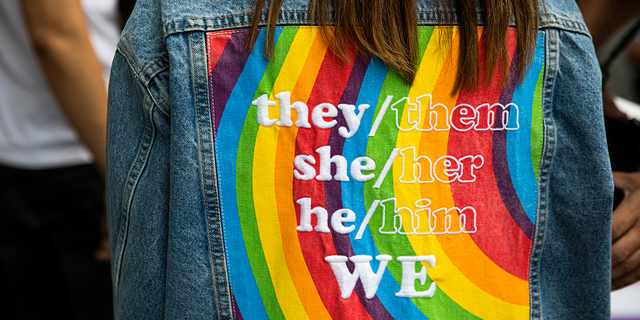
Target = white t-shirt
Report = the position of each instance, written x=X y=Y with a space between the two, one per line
x=34 y=132
x=104 y=31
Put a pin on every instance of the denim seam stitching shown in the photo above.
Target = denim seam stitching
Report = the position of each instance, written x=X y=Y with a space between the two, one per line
x=204 y=178
x=198 y=27
x=149 y=82
x=308 y=20
x=157 y=68
x=204 y=27
x=146 y=79
x=133 y=178
x=222 y=216
x=548 y=155
x=155 y=64
x=562 y=23
x=161 y=98
x=128 y=55
x=122 y=233
x=221 y=281
x=546 y=21
x=231 y=16
x=567 y=28
x=206 y=194
x=141 y=73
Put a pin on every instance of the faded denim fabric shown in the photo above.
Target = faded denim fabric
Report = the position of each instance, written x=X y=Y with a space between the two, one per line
x=169 y=258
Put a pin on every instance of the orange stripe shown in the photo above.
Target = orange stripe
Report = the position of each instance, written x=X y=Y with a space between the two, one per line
x=285 y=154
x=460 y=248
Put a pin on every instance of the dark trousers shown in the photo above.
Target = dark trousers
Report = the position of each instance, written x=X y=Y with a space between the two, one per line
x=49 y=231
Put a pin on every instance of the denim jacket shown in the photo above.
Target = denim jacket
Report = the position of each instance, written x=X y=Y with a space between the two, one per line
x=310 y=186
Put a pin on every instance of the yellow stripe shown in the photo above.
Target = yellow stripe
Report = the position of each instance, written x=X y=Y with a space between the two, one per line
x=447 y=276
x=292 y=282
x=481 y=270
x=296 y=81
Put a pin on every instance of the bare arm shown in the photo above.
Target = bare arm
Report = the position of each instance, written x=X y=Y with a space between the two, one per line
x=59 y=34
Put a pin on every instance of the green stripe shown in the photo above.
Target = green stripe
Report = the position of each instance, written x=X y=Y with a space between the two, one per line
x=379 y=147
x=244 y=177
x=537 y=128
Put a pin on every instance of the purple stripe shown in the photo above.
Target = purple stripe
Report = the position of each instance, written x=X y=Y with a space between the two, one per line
x=236 y=311
x=225 y=74
x=333 y=191
x=503 y=177
x=333 y=188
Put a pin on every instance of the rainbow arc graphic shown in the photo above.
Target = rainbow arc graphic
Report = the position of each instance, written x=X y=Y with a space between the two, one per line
x=347 y=193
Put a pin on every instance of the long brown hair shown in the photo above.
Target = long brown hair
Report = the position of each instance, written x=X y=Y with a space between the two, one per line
x=388 y=30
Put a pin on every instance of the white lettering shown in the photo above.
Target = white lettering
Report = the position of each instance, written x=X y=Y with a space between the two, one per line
x=263 y=105
x=412 y=165
x=438 y=115
x=409 y=115
x=321 y=111
x=338 y=219
x=411 y=108
x=450 y=169
x=357 y=166
x=424 y=220
x=304 y=170
x=305 y=217
x=409 y=277
x=325 y=165
x=353 y=120
x=370 y=280
x=347 y=280
x=285 y=111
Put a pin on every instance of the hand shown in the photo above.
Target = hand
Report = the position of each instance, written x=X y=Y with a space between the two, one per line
x=625 y=249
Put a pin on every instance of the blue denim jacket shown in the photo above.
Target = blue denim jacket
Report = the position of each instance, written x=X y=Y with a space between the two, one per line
x=309 y=186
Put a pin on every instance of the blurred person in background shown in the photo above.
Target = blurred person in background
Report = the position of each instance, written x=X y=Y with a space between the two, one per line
x=52 y=141
x=604 y=18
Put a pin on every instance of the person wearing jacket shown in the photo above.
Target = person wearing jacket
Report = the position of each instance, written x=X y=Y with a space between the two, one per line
x=358 y=160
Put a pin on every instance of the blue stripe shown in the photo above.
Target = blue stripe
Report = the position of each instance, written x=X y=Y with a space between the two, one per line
x=241 y=277
x=519 y=141
x=353 y=194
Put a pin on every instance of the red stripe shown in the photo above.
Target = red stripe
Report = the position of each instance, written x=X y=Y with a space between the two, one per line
x=216 y=43
x=328 y=88
x=498 y=235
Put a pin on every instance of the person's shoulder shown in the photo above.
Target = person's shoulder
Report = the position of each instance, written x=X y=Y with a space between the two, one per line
x=213 y=15
x=561 y=14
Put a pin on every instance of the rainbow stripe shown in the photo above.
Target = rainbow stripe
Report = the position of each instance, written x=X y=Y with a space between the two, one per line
x=487 y=162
